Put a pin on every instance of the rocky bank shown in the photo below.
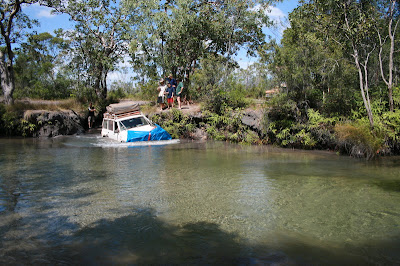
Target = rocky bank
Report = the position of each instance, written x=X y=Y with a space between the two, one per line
x=55 y=123
x=68 y=122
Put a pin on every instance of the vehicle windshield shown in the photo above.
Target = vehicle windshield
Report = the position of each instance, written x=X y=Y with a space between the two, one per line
x=134 y=122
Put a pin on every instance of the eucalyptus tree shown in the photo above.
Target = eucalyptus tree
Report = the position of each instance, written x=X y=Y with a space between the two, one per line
x=386 y=26
x=313 y=67
x=174 y=35
x=39 y=68
x=350 y=24
x=99 y=40
x=12 y=25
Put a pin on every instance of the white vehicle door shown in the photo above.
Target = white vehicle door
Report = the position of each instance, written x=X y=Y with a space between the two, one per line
x=114 y=130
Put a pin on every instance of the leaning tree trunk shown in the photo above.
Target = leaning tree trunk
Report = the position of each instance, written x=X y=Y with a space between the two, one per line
x=7 y=79
x=363 y=79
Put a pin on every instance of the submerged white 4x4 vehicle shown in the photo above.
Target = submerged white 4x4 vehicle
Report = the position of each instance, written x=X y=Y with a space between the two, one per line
x=125 y=123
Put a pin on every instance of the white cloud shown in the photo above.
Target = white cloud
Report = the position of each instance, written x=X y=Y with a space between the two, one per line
x=279 y=19
x=37 y=11
x=275 y=13
x=45 y=12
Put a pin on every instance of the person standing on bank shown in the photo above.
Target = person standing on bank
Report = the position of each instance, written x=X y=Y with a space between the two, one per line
x=91 y=115
x=161 y=92
x=170 y=96
x=179 y=90
x=172 y=81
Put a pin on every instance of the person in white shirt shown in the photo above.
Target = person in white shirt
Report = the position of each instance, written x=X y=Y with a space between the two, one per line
x=161 y=93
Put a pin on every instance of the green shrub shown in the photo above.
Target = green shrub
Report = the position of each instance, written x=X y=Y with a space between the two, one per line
x=281 y=114
x=12 y=123
x=389 y=126
x=116 y=94
x=218 y=99
x=147 y=91
x=175 y=123
x=358 y=139
x=339 y=102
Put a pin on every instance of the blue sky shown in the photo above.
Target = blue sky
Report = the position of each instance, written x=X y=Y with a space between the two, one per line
x=50 y=22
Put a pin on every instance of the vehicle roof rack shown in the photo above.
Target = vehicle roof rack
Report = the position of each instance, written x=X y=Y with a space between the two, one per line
x=121 y=115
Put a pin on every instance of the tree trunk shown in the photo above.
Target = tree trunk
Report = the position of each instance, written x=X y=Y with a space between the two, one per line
x=7 y=79
x=364 y=87
x=391 y=34
x=100 y=85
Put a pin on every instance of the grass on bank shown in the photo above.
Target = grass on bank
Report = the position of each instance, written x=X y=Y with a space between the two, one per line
x=48 y=105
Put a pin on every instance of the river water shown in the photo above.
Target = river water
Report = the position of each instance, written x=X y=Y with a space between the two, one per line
x=88 y=200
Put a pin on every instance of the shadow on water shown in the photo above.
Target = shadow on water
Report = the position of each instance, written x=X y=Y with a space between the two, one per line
x=142 y=238
x=389 y=185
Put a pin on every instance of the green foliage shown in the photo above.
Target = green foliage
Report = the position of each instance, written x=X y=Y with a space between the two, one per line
x=26 y=128
x=9 y=122
x=84 y=94
x=281 y=114
x=339 y=101
x=147 y=91
x=116 y=94
x=175 y=123
x=228 y=126
x=255 y=80
x=218 y=99
x=209 y=75
x=12 y=124
x=286 y=126
x=396 y=96
x=358 y=140
x=225 y=127
x=13 y=24
x=174 y=35
x=98 y=41
x=389 y=126
x=35 y=75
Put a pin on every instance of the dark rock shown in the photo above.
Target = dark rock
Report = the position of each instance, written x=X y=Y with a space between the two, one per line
x=198 y=134
x=55 y=123
x=252 y=119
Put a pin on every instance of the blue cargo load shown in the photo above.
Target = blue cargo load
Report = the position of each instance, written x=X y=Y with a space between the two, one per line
x=157 y=133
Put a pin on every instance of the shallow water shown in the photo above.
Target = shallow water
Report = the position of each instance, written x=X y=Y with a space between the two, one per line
x=89 y=200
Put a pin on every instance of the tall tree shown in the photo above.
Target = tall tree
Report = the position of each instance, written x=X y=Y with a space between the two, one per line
x=176 y=34
x=311 y=65
x=100 y=36
x=386 y=27
x=12 y=24
x=350 y=23
x=39 y=68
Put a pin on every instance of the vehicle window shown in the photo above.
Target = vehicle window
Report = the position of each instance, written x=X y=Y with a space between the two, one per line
x=105 y=123
x=110 y=125
x=134 y=122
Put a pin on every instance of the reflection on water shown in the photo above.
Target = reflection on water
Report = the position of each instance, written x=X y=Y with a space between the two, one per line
x=75 y=200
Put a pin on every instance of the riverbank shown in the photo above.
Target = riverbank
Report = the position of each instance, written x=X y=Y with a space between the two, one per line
x=44 y=118
x=257 y=124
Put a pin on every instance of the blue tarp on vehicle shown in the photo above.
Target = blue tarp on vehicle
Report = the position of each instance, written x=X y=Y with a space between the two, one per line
x=157 y=133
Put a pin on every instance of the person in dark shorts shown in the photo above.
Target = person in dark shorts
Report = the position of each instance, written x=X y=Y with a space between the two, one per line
x=161 y=92
x=179 y=94
x=91 y=110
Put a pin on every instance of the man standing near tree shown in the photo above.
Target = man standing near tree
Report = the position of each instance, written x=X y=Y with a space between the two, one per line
x=91 y=115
